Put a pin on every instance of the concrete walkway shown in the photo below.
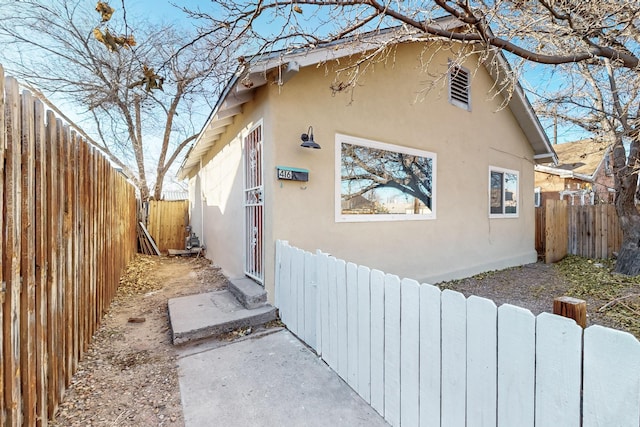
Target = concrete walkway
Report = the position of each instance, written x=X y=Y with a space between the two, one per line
x=266 y=380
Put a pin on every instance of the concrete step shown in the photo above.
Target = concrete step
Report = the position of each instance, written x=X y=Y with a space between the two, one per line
x=249 y=293
x=211 y=314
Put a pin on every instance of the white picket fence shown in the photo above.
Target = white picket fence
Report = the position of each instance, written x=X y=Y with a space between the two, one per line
x=425 y=357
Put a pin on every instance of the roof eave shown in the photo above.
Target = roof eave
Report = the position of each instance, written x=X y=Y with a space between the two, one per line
x=563 y=173
x=252 y=74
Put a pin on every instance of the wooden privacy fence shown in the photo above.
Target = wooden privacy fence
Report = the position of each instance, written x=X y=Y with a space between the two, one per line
x=424 y=357
x=167 y=222
x=594 y=231
x=589 y=231
x=68 y=230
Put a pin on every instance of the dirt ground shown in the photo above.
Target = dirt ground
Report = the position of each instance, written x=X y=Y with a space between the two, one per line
x=129 y=375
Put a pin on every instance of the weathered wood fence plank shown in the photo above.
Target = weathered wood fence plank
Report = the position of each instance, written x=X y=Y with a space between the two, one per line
x=42 y=248
x=28 y=265
x=555 y=230
x=12 y=254
x=68 y=230
x=591 y=231
x=3 y=411
x=52 y=264
x=167 y=223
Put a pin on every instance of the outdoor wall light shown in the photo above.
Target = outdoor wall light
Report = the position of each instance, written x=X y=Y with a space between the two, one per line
x=307 y=139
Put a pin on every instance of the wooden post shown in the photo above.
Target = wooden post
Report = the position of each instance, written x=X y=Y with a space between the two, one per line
x=572 y=308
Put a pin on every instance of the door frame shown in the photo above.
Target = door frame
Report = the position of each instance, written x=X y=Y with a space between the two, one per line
x=253 y=203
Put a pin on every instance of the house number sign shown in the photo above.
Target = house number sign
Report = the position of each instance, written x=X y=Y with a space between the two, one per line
x=292 y=174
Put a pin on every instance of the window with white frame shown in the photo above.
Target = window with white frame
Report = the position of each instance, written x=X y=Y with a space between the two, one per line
x=383 y=182
x=459 y=87
x=503 y=192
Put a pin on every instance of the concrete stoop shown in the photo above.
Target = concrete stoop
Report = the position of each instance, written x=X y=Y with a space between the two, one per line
x=211 y=314
x=249 y=293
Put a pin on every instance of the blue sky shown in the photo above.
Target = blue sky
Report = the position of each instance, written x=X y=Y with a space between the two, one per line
x=165 y=11
x=159 y=10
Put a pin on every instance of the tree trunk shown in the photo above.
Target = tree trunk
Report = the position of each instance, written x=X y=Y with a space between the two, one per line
x=629 y=257
x=157 y=189
x=628 y=261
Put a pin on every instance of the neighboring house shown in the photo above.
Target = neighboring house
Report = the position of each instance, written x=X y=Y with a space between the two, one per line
x=582 y=176
x=420 y=183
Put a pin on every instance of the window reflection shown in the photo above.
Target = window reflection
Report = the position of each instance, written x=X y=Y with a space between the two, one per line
x=375 y=181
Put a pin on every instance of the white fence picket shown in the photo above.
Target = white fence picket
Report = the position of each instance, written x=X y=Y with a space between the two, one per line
x=430 y=350
x=516 y=366
x=377 y=341
x=310 y=299
x=392 y=349
x=409 y=352
x=611 y=378
x=352 y=325
x=558 y=371
x=364 y=333
x=331 y=357
x=341 y=289
x=279 y=248
x=482 y=353
x=430 y=358
x=285 y=284
x=322 y=321
x=300 y=284
x=454 y=357
x=297 y=291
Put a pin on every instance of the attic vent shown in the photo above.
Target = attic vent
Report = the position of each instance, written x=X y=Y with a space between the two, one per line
x=459 y=87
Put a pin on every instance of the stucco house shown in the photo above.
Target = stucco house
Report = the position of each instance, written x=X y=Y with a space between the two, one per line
x=583 y=174
x=422 y=171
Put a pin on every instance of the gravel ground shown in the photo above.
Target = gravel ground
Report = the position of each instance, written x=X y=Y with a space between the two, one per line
x=129 y=375
x=532 y=286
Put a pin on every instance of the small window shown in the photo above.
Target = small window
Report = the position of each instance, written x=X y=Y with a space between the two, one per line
x=459 y=84
x=503 y=193
x=383 y=182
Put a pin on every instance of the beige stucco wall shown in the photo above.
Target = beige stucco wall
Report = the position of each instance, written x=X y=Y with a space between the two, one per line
x=388 y=105
x=221 y=180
